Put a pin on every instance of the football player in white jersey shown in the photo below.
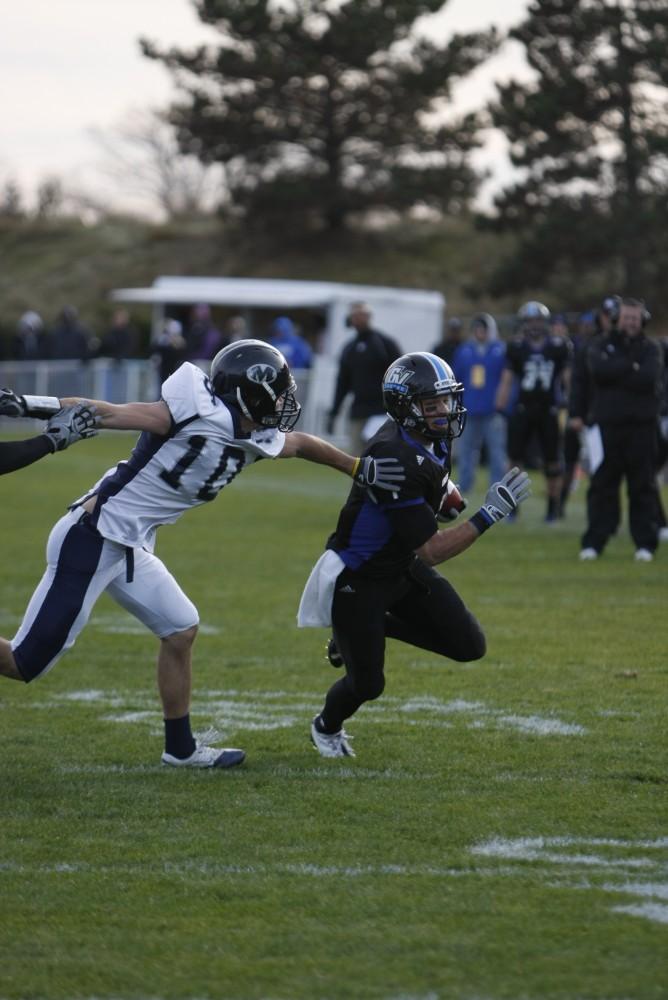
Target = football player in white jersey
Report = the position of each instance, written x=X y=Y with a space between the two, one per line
x=195 y=440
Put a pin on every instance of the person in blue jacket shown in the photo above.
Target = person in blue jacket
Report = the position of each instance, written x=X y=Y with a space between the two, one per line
x=284 y=337
x=478 y=364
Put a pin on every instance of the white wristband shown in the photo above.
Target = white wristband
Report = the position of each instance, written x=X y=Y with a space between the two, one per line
x=41 y=406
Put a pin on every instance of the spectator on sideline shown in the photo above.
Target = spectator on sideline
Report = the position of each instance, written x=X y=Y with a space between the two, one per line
x=478 y=364
x=284 y=337
x=626 y=374
x=169 y=350
x=120 y=340
x=535 y=361
x=362 y=364
x=196 y=440
x=65 y=426
x=69 y=339
x=579 y=401
x=203 y=338
x=376 y=580
x=235 y=329
x=29 y=341
x=451 y=339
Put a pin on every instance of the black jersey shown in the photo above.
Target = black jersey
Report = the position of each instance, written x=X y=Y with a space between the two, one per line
x=538 y=368
x=377 y=535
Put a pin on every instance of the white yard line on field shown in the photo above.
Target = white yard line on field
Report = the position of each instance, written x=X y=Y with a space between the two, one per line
x=250 y=711
x=610 y=860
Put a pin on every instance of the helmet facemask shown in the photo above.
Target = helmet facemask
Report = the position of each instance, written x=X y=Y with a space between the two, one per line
x=438 y=427
x=264 y=407
x=416 y=378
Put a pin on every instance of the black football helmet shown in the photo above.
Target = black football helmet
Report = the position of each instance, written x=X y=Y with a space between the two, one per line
x=417 y=376
x=257 y=378
x=533 y=318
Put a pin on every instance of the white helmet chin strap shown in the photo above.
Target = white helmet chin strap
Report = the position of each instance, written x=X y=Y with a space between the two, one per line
x=244 y=408
x=242 y=405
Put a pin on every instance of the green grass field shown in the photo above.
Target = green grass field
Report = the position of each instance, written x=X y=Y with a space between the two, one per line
x=502 y=832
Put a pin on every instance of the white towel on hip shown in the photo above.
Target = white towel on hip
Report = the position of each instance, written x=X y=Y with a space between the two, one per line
x=315 y=607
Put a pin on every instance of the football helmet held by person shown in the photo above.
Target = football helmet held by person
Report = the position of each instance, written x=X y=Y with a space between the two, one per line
x=420 y=376
x=256 y=377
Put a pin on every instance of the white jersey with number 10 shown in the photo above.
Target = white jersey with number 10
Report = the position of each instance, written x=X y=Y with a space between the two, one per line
x=165 y=476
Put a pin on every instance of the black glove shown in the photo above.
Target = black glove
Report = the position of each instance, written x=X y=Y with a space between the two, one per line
x=72 y=424
x=11 y=405
x=383 y=473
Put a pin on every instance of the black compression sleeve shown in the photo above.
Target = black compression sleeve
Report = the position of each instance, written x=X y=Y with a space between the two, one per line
x=17 y=454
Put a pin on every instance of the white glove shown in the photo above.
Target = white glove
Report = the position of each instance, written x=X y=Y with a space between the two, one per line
x=72 y=424
x=504 y=497
x=383 y=473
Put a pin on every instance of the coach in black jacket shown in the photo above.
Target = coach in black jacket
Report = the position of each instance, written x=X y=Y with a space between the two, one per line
x=625 y=373
x=362 y=364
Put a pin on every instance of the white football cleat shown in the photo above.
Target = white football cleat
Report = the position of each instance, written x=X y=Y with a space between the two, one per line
x=643 y=555
x=331 y=744
x=207 y=757
x=588 y=555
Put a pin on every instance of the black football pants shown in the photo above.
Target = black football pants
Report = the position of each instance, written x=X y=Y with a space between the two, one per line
x=419 y=608
x=629 y=451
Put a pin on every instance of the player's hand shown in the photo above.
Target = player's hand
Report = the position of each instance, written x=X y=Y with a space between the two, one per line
x=72 y=424
x=504 y=497
x=383 y=473
x=11 y=405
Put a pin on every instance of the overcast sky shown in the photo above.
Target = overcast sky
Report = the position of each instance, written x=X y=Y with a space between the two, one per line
x=70 y=66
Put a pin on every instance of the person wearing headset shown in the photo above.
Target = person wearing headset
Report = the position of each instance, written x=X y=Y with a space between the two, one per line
x=625 y=375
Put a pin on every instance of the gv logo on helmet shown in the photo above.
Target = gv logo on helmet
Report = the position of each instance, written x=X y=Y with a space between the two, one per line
x=261 y=373
x=397 y=378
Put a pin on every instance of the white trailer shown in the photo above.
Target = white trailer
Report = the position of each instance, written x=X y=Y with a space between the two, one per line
x=414 y=317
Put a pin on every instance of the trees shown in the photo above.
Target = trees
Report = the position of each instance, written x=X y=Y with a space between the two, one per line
x=320 y=109
x=590 y=139
x=144 y=160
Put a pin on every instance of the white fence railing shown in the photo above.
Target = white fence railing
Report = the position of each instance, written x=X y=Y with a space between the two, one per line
x=136 y=380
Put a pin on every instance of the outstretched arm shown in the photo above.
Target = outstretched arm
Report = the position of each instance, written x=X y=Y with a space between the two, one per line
x=314 y=449
x=383 y=473
x=17 y=454
x=153 y=417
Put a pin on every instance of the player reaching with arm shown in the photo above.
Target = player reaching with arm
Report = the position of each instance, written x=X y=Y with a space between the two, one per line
x=376 y=580
x=65 y=426
x=195 y=440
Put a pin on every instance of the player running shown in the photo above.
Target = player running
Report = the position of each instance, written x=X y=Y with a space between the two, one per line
x=376 y=580
x=202 y=433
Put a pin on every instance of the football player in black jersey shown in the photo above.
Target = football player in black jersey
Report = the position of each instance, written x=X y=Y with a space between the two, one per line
x=65 y=426
x=376 y=579
x=540 y=363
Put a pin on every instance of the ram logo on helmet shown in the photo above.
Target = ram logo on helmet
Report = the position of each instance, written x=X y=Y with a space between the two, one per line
x=261 y=373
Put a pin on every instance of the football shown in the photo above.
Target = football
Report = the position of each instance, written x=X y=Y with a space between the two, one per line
x=453 y=503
